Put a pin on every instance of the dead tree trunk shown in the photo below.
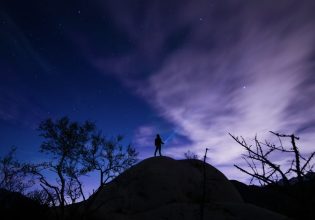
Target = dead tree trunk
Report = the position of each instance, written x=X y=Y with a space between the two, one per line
x=202 y=204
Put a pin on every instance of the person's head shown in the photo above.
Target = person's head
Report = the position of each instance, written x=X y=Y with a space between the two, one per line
x=157 y=135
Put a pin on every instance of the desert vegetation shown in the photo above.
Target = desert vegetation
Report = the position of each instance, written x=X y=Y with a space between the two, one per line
x=71 y=150
x=293 y=180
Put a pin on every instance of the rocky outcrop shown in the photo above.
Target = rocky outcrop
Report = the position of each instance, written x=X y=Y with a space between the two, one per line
x=164 y=188
x=14 y=205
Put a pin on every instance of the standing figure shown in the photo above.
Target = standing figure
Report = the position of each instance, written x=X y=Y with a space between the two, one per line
x=158 y=144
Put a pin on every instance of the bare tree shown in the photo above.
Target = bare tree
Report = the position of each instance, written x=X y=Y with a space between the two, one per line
x=109 y=157
x=75 y=150
x=40 y=196
x=262 y=168
x=64 y=141
x=203 y=200
x=191 y=155
x=13 y=175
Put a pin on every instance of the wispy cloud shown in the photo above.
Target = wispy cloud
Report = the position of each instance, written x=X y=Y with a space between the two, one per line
x=211 y=68
x=144 y=140
x=208 y=94
x=144 y=136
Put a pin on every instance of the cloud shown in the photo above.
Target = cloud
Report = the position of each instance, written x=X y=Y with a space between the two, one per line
x=144 y=136
x=243 y=67
x=244 y=88
x=144 y=140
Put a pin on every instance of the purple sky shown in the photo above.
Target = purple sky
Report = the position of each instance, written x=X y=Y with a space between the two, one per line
x=191 y=70
x=244 y=67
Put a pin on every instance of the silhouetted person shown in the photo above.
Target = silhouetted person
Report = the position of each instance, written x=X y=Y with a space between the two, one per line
x=158 y=144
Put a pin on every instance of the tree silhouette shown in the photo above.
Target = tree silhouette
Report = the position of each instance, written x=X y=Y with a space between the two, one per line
x=266 y=171
x=75 y=149
x=40 y=196
x=64 y=141
x=13 y=174
x=191 y=155
x=109 y=157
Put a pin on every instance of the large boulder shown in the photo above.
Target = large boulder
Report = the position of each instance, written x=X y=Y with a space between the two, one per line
x=14 y=205
x=164 y=188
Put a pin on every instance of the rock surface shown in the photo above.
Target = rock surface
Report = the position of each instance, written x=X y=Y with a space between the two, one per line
x=14 y=205
x=164 y=188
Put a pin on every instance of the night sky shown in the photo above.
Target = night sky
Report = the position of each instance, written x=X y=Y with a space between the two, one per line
x=190 y=70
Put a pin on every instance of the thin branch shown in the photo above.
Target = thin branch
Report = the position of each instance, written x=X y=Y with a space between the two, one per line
x=308 y=161
x=262 y=178
x=258 y=157
x=283 y=135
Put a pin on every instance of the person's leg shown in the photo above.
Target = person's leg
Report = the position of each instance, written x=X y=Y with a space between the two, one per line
x=160 y=150
x=156 y=149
